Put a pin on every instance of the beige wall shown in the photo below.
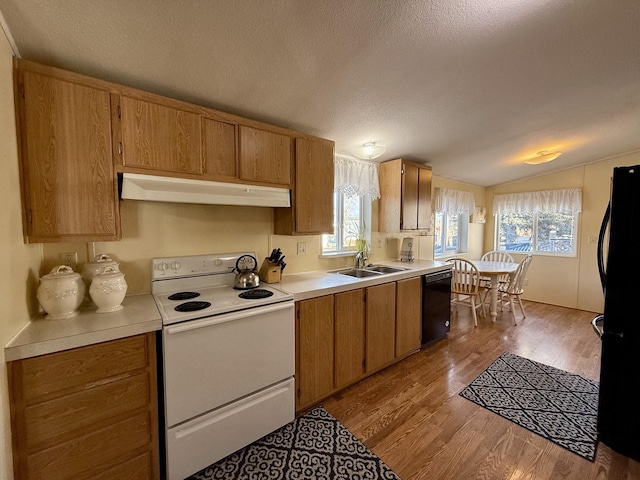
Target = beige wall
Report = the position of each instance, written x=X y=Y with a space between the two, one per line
x=570 y=282
x=19 y=263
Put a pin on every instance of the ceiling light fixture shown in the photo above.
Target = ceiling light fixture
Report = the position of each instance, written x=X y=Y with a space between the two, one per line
x=542 y=157
x=369 y=151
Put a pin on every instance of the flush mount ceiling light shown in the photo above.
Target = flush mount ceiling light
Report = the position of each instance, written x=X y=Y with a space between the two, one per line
x=369 y=151
x=542 y=157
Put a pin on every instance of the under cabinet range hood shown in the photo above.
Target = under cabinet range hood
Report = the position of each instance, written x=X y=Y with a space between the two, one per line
x=180 y=190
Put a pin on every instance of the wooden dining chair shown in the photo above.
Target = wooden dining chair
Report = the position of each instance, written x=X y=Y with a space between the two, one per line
x=465 y=286
x=513 y=289
x=485 y=282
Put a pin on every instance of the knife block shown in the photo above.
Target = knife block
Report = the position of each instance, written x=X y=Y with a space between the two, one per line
x=270 y=272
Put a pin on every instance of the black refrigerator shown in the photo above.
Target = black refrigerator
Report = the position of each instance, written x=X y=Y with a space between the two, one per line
x=619 y=399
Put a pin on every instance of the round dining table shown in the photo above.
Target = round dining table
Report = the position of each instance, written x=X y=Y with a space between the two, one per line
x=493 y=270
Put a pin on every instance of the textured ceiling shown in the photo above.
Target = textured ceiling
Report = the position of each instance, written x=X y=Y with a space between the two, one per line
x=471 y=87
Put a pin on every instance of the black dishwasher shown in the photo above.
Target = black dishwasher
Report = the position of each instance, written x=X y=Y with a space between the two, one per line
x=436 y=306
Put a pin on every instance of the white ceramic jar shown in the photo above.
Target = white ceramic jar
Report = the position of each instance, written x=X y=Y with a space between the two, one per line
x=60 y=292
x=108 y=289
x=96 y=266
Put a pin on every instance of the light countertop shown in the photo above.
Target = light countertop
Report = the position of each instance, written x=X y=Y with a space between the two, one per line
x=41 y=336
x=318 y=283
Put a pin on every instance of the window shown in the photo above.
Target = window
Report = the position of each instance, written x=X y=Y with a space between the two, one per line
x=356 y=186
x=351 y=215
x=451 y=221
x=450 y=234
x=538 y=222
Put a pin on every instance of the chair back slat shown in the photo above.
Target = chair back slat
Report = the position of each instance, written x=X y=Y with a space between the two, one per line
x=465 y=278
x=517 y=278
x=496 y=256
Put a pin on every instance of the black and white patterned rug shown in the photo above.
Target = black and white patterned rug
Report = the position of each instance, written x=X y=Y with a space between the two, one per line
x=559 y=406
x=314 y=446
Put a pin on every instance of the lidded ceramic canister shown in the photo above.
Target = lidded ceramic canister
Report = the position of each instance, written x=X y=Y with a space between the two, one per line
x=61 y=292
x=96 y=266
x=108 y=289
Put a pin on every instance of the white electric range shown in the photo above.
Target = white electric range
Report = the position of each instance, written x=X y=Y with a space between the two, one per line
x=228 y=359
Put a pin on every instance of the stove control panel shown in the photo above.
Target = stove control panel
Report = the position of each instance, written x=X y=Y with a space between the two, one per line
x=194 y=265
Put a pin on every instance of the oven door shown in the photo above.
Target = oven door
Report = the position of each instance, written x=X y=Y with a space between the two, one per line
x=213 y=361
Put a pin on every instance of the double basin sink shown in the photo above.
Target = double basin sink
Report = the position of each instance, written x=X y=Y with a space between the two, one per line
x=369 y=271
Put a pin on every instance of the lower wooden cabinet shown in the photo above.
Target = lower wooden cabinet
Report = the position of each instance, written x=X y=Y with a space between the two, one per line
x=314 y=349
x=381 y=325
x=89 y=412
x=408 y=316
x=342 y=338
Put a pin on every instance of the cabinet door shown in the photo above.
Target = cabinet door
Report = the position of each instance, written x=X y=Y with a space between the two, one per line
x=158 y=137
x=409 y=210
x=314 y=186
x=265 y=156
x=381 y=325
x=219 y=152
x=315 y=349
x=424 y=198
x=349 y=333
x=408 y=315
x=67 y=164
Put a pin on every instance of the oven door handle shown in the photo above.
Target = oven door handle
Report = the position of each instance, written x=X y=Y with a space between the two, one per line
x=227 y=317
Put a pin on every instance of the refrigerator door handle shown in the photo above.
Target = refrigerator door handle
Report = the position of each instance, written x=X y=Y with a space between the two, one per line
x=595 y=323
x=603 y=229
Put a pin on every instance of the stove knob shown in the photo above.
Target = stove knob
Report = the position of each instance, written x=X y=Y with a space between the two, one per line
x=176 y=266
x=163 y=266
x=217 y=262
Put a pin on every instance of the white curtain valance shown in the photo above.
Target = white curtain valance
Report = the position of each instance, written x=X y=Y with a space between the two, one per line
x=454 y=201
x=548 y=201
x=355 y=177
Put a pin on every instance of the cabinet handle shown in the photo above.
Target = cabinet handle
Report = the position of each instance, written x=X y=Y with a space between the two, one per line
x=120 y=148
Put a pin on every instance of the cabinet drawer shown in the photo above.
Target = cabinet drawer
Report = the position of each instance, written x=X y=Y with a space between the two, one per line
x=60 y=416
x=63 y=371
x=89 y=453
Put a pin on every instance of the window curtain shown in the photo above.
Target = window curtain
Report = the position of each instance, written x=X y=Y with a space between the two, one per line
x=548 y=201
x=355 y=177
x=454 y=201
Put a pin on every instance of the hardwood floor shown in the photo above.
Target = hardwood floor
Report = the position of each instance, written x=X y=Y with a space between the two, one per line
x=411 y=415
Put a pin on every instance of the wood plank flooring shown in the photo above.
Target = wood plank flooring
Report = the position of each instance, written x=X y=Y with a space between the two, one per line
x=411 y=415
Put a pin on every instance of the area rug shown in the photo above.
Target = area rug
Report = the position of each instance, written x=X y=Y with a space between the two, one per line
x=314 y=446
x=559 y=406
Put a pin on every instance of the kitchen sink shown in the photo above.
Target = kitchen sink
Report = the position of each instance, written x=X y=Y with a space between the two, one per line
x=369 y=271
x=385 y=269
x=358 y=272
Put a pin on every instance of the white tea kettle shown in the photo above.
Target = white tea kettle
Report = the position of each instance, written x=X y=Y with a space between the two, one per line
x=246 y=275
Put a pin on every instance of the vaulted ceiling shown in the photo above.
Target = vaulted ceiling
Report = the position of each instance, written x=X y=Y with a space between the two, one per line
x=471 y=87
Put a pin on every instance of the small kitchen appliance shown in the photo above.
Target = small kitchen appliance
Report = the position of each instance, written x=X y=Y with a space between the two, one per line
x=227 y=359
x=406 y=251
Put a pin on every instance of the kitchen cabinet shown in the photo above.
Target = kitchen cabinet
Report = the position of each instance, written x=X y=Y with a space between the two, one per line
x=408 y=316
x=381 y=325
x=314 y=349
x=349 y=336
x=405 y=196
x=69 y=187
x=264 y=157
x=219 y=151
x=311 y=210
x=158 y=137
x=89 y=412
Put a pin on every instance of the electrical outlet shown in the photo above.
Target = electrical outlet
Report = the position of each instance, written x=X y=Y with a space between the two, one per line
x=69 y=259
x=302 y=248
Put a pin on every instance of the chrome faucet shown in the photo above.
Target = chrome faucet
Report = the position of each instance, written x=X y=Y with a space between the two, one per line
x=361 y=259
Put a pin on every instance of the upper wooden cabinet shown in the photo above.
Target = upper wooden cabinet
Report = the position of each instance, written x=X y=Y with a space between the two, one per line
x=264 y=156
x=405 y=196
x=311 y=209
x=219 y=151
x=64 y=129
x=158 y=137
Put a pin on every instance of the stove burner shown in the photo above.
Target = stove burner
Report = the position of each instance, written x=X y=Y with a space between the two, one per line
x=254 y=294
x=183 y=295
x=192 y=306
